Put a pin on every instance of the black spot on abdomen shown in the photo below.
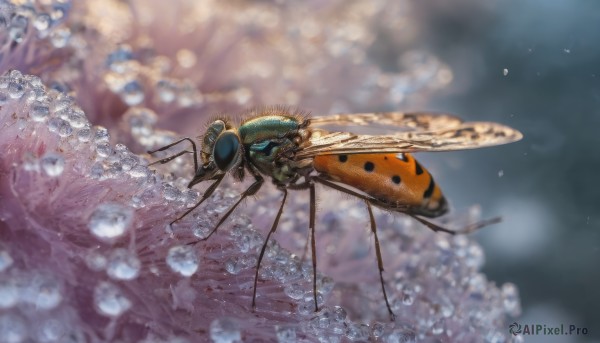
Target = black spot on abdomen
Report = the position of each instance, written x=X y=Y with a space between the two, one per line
x=429 y=191
x=418 y=167
x=343 y=158
x=369 y=166
x=396 y=179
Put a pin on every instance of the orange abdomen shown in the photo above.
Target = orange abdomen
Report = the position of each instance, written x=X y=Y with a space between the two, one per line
x=397 y=180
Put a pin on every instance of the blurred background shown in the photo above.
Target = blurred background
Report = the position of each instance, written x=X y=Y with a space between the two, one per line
x=534 y=65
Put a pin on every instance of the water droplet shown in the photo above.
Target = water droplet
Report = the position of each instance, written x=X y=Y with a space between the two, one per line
x=95 y=260
x=132 y=93
x=123 y=265
x=103 y=150
x=505 y=72
x=5 y=260
x=171 y=193
x=101 y=135
x=60 y=37
x=42 y=22
x=233 y=265
x=400 y=336
x=12 y=329
x=84 y=135
x=110 y=220
x=377 y=330
x=166 y=90
x=18 y=28
x=16 y=88
x=407 y=299
x=294 y=291
x=9 y=293
x=357 y=332
x=109 y=300
x=53 y=164
x=77 y=119
x=51 y=330
x=42 y=291
x=500 y=173
x=96 y=171
x=438 y=328
x=116 y=59
x=39 y=111
x=65 y=129
x=182 y=259
x=510 y=295
x=339 y=314
x=286 y=334
x=225 y=330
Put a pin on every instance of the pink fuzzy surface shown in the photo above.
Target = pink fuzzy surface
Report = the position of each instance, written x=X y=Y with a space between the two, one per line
x=86 y=253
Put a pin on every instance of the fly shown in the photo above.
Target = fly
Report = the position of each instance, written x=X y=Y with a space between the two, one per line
x=295 y=152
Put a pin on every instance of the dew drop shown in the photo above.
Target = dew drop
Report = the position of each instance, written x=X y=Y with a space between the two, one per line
x=60 y=37
x=407 y=299
x=377 y=330
x=43 y=292
x=84 y=135
x=505 y=71
x=42 y=22
x=109 y=300
x=53 y=164
x=166 y=90
x=123 y=265
x=5 y=260
x=39 y=111
x=294 y=291
x=357 y=332
x=339 y=314
x=12 y=329
x=233 y=265
x=225 y=330
x=51 y=330
x=500 y=173
x=9 y=293
x=95 y=260
x=437 y=328
x=286 y=334
x=65 y=129
x=510 y=296
x=16 y=89
x=132 y=93
x=101 y=135
x=110 y=220
x=182 y=259
x=103 y=149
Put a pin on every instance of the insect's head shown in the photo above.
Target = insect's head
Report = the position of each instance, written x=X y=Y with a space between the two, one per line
x=221 y=151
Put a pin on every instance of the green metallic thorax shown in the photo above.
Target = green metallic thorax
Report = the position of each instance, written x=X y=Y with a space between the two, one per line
x=268 y=142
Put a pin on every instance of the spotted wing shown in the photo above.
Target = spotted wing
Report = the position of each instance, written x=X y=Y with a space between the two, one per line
x=390 y=121
x=469 y=135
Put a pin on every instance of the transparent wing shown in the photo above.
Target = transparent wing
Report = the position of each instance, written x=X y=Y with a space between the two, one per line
x=469 y=135
x=388 y=121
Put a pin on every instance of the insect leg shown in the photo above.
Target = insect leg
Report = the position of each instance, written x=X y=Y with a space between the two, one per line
x=312 y=242
x=264 y=247
x=169 y=159
x=175 y=143
x=379 y=260
x=468 y=229
x=250 y=191
x=209 y=191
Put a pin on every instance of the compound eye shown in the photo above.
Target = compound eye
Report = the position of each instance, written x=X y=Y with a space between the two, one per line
x=226 y=149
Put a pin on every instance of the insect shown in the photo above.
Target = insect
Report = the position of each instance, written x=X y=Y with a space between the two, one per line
x=296 y=152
